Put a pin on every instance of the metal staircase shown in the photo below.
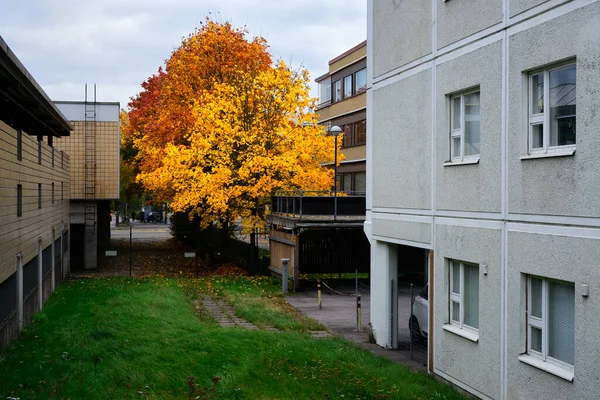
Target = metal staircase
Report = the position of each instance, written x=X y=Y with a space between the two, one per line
x=90 y=162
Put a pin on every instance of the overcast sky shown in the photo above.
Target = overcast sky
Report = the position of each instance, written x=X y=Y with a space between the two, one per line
x=118 y=44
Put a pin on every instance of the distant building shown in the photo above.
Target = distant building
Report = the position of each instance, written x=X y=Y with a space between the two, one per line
x=343 y=102
x=34 y=196
x=94 y=148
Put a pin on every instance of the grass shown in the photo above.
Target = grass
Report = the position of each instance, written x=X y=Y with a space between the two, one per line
x=119 y=338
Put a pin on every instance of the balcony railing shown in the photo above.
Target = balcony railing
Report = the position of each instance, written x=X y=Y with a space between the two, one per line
x=303 y=203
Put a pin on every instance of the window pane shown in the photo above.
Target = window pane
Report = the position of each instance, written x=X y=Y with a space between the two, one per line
x=455 y=278
x=536 y=297
x=348 y=86
x=563 y=103
x=472 y=123
x=561 y=321
x=347 y=183
x=456 y=147
x=537 y=136
x=471 y=295
x=456 y=113
x=360 y=84
x=537 y=94
x=347 y=135
x=337 y=90
x=325 y=91
x=360 y=182
x=361 y=132
x=455 y=312
x=536 y=339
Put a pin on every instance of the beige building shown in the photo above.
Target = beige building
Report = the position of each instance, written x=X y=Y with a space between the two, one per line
x=343 y=102
x=34 y=197
x=94 y=150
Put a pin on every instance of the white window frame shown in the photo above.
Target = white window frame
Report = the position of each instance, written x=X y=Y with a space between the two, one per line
x=459 y=297
x=460 y=132
x=543 y=118
x=542 y=324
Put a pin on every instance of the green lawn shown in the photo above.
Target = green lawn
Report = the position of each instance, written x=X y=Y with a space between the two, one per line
x=118 y=338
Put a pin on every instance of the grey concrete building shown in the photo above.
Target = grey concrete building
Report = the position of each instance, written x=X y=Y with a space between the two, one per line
x=483 y=153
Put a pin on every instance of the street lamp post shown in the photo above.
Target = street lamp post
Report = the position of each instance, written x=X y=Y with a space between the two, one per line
x=335 y=131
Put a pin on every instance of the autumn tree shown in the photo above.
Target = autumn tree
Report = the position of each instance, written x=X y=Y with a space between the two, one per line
x=222 y=127
x=131 y=191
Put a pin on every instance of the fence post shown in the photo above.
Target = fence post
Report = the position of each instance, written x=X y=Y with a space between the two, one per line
x=319 y=298
x=358 y=313
x=411 y=320
x=130 y=251
x=284 y=274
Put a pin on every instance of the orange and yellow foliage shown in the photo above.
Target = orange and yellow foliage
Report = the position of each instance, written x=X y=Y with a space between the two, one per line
x=222 y=127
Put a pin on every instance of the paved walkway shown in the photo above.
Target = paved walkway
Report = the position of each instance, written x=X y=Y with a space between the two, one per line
x=224 y=313
x=338 y=314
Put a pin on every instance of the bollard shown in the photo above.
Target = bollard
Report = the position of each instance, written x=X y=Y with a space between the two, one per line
x=358 y=312
x=284 y=274
x=319 y=294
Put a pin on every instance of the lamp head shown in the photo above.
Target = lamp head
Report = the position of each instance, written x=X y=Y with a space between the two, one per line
x=335 y=130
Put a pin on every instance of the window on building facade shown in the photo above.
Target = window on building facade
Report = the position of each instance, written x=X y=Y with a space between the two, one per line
x=551 y=321
x=62 y=159
x=62 y=190
x=348 y=132
x=552 y=109
x=39 y=195
x=360 y=81
x=348 y=86
x=465 y=126
x=355 y=134
x=19 y=145
x=19 y=200
x=325 y=91
x=337 y=90
x=52 y=192
x=352 y=182
x=464 y=295
x=360 y=131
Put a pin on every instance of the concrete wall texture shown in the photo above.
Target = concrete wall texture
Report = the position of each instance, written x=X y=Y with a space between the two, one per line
x=509 y=213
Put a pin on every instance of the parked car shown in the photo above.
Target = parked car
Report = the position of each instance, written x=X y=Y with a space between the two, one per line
x=419 y=319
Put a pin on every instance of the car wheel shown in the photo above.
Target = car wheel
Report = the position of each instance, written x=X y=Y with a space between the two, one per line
x=415 y=331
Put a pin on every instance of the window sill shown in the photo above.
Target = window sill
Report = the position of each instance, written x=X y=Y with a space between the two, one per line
x=463 y=162
x=548 y=367
x=563 y=153
x=472 y=336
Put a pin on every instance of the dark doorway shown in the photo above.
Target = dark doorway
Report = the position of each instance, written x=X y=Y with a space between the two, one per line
x=413 y=302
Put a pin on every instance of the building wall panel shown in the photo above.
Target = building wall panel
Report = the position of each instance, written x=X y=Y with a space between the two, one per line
x=456 y=356
x=566 y=186
x=397 y=21
x=402 y=143
x=566 y=258
x=459 y=19
x=471 y=187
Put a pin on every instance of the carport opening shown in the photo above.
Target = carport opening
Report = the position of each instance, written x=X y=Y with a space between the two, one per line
x=413 y=302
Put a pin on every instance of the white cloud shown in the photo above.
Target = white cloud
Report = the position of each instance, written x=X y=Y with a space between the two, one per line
x=118 y=44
